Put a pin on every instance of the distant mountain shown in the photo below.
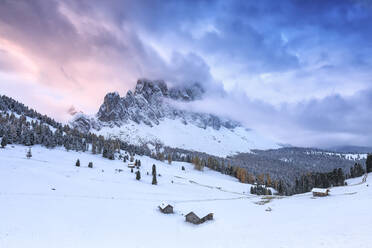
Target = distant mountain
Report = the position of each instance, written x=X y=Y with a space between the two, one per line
x=150 y=115
x=351 y=149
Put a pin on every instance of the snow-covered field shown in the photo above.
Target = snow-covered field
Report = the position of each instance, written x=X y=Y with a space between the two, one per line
x=222 y=142
x=46 y=201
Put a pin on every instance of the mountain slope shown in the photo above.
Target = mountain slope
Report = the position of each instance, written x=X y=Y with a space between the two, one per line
x=102 y=207
x=149 y=116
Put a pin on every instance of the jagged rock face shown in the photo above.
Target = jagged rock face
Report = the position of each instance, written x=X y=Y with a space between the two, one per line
x=111 y=109
x=84 y=123
x=151 y=103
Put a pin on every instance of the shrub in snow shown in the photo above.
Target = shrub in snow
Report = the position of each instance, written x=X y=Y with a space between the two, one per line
x=90 y=165
x=77 y=163
x=183 y=168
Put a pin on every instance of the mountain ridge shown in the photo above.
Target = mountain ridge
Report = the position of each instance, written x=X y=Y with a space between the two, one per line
x=148 y=115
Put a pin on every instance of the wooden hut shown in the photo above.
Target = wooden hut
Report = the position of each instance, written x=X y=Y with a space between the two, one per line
x=166 y=208
x=320 y=192
x=194 y=219
x=207 y=217
x=131 y=166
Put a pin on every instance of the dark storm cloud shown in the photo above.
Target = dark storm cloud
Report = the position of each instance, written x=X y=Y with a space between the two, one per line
x=291 y=66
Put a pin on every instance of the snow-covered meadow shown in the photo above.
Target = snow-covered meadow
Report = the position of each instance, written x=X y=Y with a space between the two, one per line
x=46 y=201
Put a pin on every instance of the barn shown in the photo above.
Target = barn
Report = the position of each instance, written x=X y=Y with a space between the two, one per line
x=194 y=219
x=166 y=208
x=320 y=192
x=207 y=217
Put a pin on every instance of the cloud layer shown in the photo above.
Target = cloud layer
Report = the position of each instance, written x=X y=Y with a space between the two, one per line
x=296 y=70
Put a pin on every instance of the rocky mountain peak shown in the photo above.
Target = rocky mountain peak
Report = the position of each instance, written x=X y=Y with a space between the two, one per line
x=158 y=88
x=149 y=88
x=147 y=104
x=109 y=109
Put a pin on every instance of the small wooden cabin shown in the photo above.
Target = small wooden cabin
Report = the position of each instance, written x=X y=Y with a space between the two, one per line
x=194 y=219
x=166 y=208
x=320 y=192
x=131 y=166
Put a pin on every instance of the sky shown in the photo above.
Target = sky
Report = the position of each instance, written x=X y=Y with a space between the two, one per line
x=298 y=71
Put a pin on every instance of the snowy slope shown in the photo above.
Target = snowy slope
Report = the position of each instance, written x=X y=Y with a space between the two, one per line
x=174 y=133
x=101 y=207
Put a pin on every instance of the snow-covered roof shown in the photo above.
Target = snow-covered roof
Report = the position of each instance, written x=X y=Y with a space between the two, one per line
x=319 y=190
x=164 y=205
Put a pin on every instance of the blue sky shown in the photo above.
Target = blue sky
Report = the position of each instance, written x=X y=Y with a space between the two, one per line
x=299 y=71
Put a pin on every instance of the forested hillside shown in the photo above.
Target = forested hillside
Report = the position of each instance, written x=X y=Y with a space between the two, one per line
x=288 y=170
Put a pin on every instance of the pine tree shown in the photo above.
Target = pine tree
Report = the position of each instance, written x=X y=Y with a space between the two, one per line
x=369 y=163
x=153 y=170
x=29 y=154
x=138 y=175
x=77 y=163
x=154 y=181
x=4 y=141
x=90 y=165
x=183 y=168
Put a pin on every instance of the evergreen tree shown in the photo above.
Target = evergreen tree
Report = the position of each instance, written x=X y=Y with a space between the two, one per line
x=138 y=175
x=369 y=163
x=183 y=168
x=90 y=165
x=154 y=181
x=4 y=141
x=153 y=170
x=77 y=163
